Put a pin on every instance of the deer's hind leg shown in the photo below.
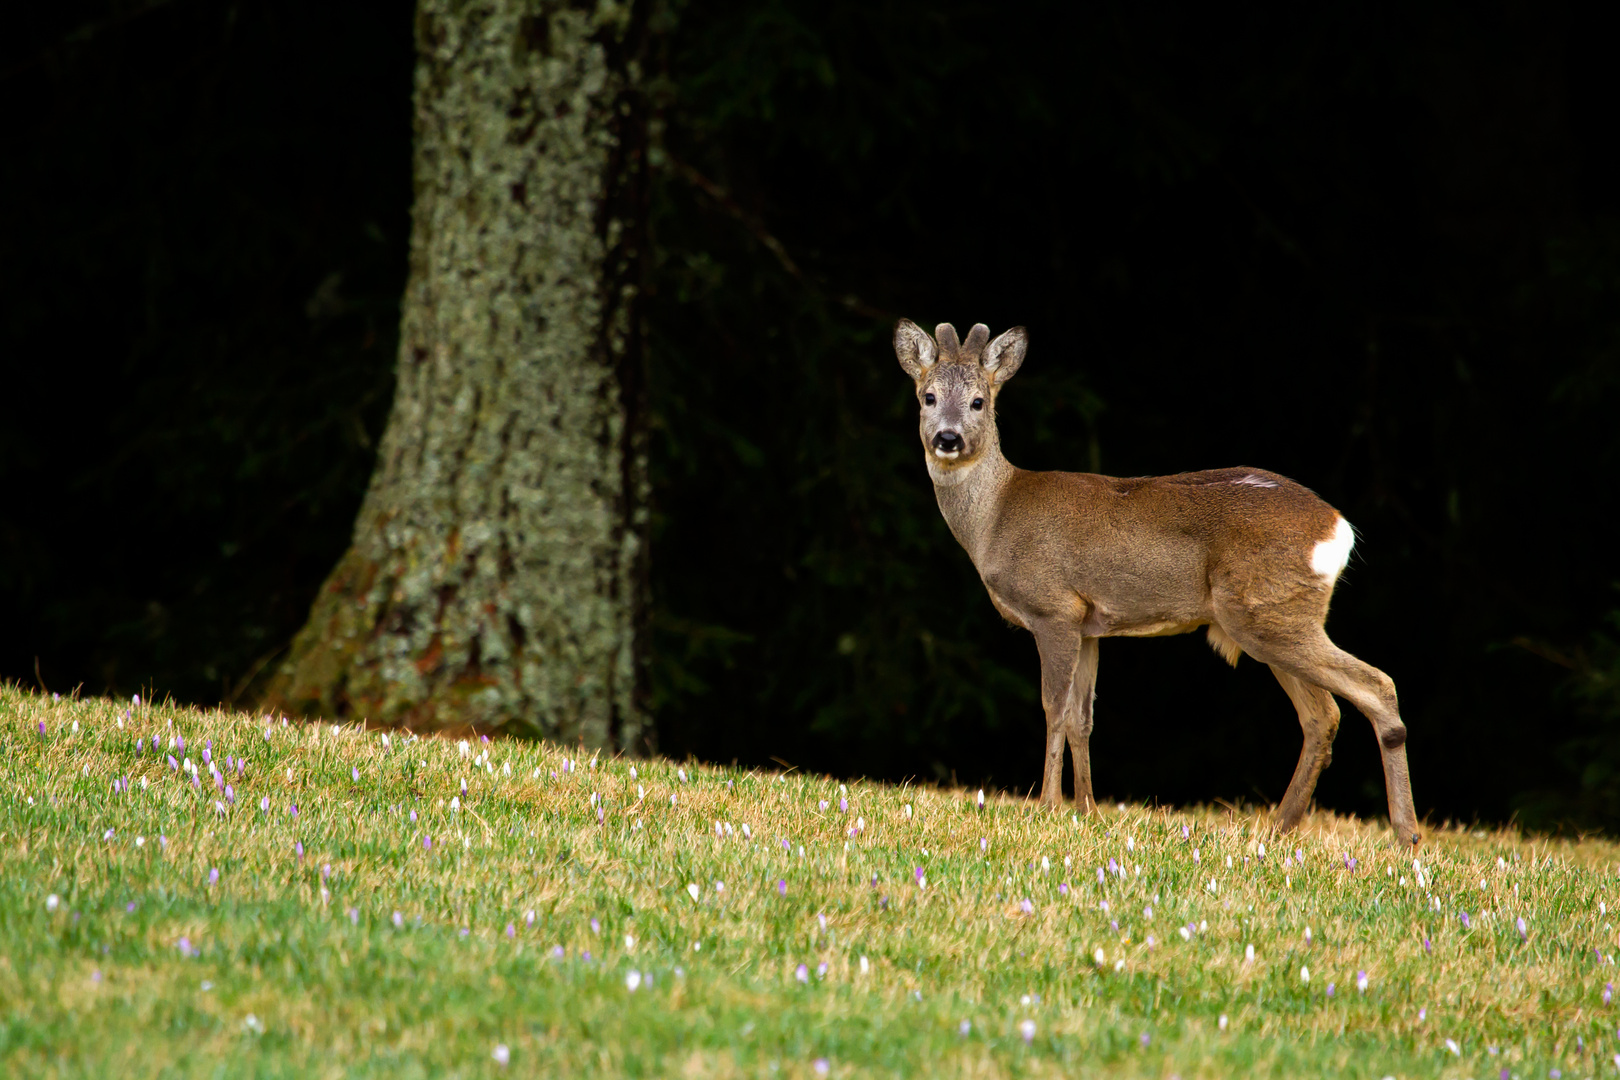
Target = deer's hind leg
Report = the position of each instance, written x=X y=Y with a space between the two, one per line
x=1300 y=647
x=1319 y=717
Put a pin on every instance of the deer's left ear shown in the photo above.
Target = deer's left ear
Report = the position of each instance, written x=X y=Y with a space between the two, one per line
x=1003 y=355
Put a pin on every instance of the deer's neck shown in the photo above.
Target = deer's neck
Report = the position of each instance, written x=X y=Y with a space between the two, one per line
x=970 y=494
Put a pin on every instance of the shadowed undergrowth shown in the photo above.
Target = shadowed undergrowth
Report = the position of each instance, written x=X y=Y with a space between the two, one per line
x=617 y=917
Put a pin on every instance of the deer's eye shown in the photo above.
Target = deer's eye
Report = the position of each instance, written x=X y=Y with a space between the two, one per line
x=928 y=399
x=978 y=403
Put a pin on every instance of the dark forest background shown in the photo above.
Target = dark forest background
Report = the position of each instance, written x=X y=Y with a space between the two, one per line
x=1376 y=251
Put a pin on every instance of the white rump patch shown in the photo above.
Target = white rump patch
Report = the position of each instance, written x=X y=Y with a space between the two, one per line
x=1255 y=481
x=1330 y=556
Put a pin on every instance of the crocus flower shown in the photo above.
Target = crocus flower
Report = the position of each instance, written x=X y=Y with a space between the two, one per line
x=1026 y=1028
x=802 y=973
x=298 y=847
x=213 y=876
x=1330 y=990
x=293 y=810
x=511 y=930
x=174 y=766
x=1519 y=924
x=264 y=804
x=230 y=794
x=1361 y=981
x=1465 y=921
x=1608 y=992
x=781 y=888
x=427 y=843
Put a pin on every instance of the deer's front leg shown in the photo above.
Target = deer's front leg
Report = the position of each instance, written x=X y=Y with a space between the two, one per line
x=1061 y=646
x=1082 y=692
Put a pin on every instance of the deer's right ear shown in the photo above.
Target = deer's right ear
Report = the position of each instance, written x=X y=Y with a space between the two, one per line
x=914 y=349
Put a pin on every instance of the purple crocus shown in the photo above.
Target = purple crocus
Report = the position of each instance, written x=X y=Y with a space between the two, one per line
x=1427 y=947
x=1100 y=875
x=918 y=873
x=1519 y=925
x=781 y=887
x=180 y=743
x=213 y=877
x=1063 y=888
x=208 y=755
x=264 y=804
x=298 y=848
x=802 y=973
x=1330 y=990
x=1465 y=922
x=843 y=805
x=511 y=930
x=140 y=746
x=427 y=843
x=293 y=810
x=230 y=794
x=174 y=766
x=355 y=773
x=42 y=727
x=1608 y=992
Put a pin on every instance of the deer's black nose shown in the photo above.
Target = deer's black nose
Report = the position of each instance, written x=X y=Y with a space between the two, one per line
x=948 y=441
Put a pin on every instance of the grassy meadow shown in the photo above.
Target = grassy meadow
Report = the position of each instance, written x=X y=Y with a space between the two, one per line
x=327 y=901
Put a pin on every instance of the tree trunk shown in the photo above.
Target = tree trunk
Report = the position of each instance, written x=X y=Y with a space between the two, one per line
x=495 y=578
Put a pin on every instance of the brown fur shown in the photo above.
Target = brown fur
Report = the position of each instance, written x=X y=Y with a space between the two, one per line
x=1075 y=557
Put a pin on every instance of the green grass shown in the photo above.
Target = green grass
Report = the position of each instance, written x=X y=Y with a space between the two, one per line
x=290 y=972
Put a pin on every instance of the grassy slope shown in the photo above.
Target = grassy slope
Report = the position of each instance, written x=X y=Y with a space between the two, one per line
x=99 y=984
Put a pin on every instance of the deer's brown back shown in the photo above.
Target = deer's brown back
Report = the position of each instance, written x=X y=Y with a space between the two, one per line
x=1144 y=553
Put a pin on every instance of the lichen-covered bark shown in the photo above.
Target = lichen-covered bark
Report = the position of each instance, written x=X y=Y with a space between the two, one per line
x=495 y=575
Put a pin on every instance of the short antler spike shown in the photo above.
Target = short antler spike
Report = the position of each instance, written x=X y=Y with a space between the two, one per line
x=949 y=343
x=976 y=340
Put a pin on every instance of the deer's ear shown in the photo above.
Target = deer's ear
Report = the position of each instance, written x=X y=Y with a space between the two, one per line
x=1003 y=355
x=913 y=348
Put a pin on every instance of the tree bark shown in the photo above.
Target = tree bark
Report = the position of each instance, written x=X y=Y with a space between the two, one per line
x=496 y=574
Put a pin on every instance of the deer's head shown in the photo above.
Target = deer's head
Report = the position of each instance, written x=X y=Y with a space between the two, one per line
x=957 y=382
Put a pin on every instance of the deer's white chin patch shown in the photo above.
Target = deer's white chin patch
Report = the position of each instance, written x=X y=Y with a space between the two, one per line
x=947 y=455
x=1330 y=556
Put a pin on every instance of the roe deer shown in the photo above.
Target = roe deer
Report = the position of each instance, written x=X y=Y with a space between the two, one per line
x=1073 y=557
